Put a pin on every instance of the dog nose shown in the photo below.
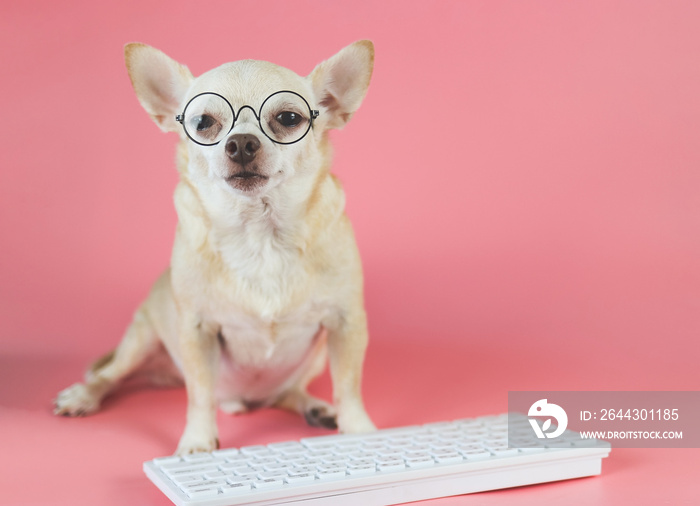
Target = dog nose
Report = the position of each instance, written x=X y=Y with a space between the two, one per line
x=242 y=148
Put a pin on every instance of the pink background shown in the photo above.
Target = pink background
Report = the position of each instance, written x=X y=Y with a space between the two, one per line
x=523 y=179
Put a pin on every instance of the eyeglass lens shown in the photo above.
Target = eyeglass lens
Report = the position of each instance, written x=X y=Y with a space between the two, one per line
x=284 y=117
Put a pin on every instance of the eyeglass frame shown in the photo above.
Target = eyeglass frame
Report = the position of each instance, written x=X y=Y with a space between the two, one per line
x=313 y=114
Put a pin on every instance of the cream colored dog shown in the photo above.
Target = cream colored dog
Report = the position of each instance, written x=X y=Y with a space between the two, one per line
x=265 y=279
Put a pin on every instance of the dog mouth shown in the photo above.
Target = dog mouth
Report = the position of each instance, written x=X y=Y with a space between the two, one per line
x=246 y=175
x=246 y=180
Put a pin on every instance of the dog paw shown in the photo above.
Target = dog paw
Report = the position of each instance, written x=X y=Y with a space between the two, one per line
x=233 y=407
x=76 y=400
x=196 y=444
x=322 y=416
x=355 y=423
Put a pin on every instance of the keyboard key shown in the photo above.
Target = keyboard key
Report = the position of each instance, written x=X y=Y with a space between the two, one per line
x=245 y=471
x=268 y=483
x=331 y=467
x=362 y=469
x=447 y=457
x=391 y=465
x=226 y=453
x=204 y=492
x=235 y=489
x=198 y=470
x=301 y=470
x=427 y=439
x=323 y=447
x=272 y=474
x=442 y=445
x=261 y=462
x=189 y=479
x=309 y=462
x=198 y=457
x=330 y=474
x=585 y=443
x=347 y=450
x=360 y=463
x=420 y=462
x=301 y=478
x=254 y=450
x=361 y=455
x=237 y=460
x=213 y=475
x=559 y=444
x=416 y=448
x=239 y=480
x=276 y=466
x=390 y=452
x=469 y=447
x=476 y=454
x=287 y=447
x=290 y=458
x=503 y=451
x=335 y=459
x=186 y=487
x=192 y=465
x=451 y=437
x=494 y=442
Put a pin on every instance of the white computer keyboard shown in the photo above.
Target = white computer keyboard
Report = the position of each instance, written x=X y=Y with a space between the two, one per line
x=390 y=466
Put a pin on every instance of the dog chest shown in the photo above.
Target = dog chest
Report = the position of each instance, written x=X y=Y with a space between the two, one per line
x=259 y=357
x=251 y=341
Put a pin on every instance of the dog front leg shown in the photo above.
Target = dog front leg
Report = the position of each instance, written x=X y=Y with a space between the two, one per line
x=347 y=343
x=200 y=357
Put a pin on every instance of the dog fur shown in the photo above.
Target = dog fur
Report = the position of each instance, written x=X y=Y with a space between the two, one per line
x=265 y=280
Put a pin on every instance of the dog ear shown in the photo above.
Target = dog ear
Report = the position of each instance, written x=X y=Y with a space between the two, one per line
x=159 y=81
x=340 y=83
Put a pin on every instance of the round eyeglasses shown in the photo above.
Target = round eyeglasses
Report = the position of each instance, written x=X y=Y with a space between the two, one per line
x=285 y=117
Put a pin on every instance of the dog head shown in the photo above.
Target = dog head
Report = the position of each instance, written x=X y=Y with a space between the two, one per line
x=250 y=125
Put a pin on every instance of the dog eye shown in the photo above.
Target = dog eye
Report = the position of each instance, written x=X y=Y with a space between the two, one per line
x=288 y=119
x=203 y=122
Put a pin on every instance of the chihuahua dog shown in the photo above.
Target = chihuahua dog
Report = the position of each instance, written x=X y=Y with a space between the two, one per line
x=265 y=280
